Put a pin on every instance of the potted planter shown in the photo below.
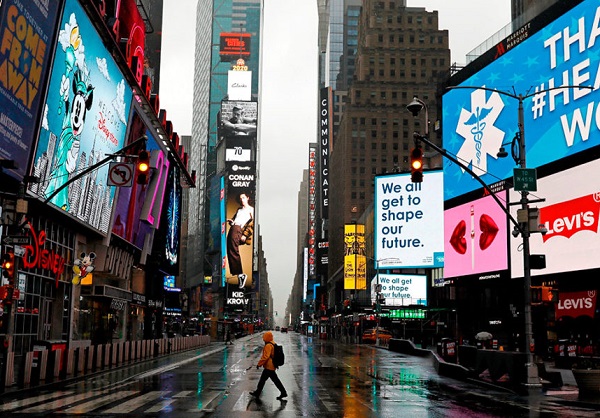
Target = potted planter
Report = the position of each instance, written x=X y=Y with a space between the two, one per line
x=587 y=375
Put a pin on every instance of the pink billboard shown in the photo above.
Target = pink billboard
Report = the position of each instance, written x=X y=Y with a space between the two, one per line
x=570 y=213
x=475 y=238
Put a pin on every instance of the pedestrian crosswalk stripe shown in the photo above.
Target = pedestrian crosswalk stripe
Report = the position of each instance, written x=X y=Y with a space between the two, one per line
x=61 y=402
x=165 y=403
x=99 y=402
x=135 y=403
x=20 y=403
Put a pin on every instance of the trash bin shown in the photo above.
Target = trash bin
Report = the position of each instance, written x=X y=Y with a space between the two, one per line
x=448 y=350
x=50 y=345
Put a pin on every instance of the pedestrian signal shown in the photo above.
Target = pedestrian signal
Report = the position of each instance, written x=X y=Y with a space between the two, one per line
x=416 y=165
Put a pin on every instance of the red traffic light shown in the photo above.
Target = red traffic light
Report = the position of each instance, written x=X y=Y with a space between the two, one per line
x=416 y=165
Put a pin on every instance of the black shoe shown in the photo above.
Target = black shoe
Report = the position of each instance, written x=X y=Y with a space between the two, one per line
x=256 y=395
x=280 y=397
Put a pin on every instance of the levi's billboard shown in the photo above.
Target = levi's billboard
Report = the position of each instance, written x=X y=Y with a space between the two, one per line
x=570 y=214
x=576 y=304
x=557 y=122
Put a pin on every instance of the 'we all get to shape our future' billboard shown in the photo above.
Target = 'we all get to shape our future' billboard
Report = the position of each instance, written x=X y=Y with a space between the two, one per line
x=409 y=221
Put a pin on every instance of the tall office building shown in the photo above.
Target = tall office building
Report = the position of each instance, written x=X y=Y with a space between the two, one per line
x=401 y=53
x=214 y=18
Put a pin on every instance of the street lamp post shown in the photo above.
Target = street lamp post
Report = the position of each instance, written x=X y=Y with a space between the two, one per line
x=522 y=227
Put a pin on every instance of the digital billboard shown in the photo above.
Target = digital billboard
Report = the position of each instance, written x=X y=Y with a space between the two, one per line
x=238 y=224
x=26 y=45
x=85 y=119
x=400 y=289
x=238 y=119
x=475 y=238
x=557 y=122
x=409 y=221
x=234 y=45
x=355 y=260
x=239 y=85
x=570 y=215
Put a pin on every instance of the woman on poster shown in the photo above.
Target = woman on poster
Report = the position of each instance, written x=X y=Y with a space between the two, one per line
x=240 y=231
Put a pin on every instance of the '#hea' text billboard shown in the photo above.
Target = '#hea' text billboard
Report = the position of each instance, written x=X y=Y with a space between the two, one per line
x=557 y=122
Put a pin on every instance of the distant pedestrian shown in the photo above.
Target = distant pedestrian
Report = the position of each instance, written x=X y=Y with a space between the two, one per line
x=228 y=337
x=268 y=368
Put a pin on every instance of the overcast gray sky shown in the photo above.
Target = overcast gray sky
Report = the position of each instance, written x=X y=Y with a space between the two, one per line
x=288 y=118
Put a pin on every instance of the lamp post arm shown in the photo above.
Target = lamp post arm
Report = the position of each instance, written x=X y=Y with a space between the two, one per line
x=475 y=176
x=100 y=163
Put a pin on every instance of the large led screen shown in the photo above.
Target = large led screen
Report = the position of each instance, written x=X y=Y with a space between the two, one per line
x=85 y=119
x=570 y=214
x=400 y=290
x=409 y=221
x=557 y=122
x=238 y=224
x=475 y=238
x=26 y=46
x=355 y=260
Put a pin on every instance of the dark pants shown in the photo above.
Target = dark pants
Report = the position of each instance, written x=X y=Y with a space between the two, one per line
x=269 y=374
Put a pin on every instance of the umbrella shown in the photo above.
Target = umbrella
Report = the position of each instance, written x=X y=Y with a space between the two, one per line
x=483 y=335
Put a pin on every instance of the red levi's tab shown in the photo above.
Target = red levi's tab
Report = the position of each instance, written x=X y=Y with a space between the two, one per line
x=568 y=218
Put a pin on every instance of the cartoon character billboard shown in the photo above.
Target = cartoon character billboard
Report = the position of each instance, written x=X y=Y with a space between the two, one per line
x=557 y=122
x=28 y=30
x=85 y=118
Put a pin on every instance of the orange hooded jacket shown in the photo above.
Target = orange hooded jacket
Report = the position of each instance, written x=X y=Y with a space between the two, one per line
x=267 y=355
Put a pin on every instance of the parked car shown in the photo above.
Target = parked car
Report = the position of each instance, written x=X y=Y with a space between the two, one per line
x=370 y=335
x=283 y=329
x=277 y=328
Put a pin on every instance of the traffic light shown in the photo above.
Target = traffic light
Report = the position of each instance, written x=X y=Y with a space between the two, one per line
x=416 y=165
x=143 y=167
x=8 y=266
x=536 y=295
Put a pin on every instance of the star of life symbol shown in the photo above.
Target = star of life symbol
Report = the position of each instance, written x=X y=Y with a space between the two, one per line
x=482 y=138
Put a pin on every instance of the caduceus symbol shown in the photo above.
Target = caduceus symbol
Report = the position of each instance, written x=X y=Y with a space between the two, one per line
x=476 y=119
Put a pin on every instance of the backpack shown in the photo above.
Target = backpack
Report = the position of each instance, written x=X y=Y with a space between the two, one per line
x=278 y=356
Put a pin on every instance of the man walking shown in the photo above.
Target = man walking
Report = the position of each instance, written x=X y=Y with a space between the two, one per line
x=268 y=368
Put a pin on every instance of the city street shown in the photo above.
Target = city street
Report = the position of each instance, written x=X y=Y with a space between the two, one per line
x=322 y=378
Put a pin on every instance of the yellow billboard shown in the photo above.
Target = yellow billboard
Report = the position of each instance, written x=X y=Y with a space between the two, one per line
x=355 y=260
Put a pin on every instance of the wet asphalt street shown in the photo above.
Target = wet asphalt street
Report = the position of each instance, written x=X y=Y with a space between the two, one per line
x=323 y=379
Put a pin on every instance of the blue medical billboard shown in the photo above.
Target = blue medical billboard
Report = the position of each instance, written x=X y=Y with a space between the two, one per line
x=557 y=122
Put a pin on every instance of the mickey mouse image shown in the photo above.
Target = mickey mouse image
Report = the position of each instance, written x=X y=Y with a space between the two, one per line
x=82 y=266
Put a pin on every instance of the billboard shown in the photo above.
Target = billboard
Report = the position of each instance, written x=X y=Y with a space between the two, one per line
x=312 y=212
x=26 y=45
x=85 y=119
x=355 y=260
x=400 y=289
x=557 y=123
x=238 y=224
x=475 y=238
x=239 y=85
x=234 y=45
x=570 y=214
x=409 y=221
x=238 y=119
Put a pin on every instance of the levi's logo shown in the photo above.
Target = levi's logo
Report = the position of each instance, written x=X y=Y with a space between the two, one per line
x=568 y=218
